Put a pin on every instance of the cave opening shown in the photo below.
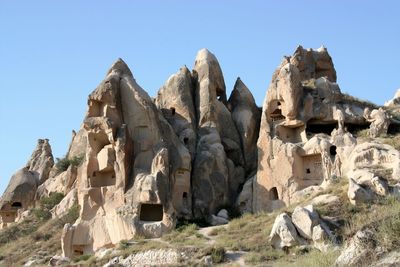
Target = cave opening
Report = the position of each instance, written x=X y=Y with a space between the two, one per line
x=274 y=193
x=16 y=205
x=355 y=128
x=332 y=150
x=151 y=212
x=313 y=128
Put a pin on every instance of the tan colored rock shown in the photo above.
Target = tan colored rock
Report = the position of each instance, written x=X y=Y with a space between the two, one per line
x=245 y=199
x=19 y=195
x=314 y=63
x=379 y=120
x=62 y=183
x=369 y=154
x=395 y=101
x=325 y=199
x=218 y=165
x=320 y=238
x=305 y=220
x=78 y=144
x=41 y=160
x=176 y=101
x=305 y=133
x=66 y=204
x=357 y=250
x=246 y=116
x=283 y=233
x=133 y=163
x=357 y=194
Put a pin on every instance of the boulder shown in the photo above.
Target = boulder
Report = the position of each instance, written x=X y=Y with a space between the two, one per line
x=217 y=220
x=325 y=199
x=357 y=194
x=379 y=120
x=223 y=214
x=59 y=260
x=283 y=233
x=320 y=238
x=305 y=219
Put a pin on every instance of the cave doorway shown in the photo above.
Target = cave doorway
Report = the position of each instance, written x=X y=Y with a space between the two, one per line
x=151 y=212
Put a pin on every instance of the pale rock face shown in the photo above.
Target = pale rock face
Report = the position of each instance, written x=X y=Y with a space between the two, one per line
x=314 y=63
x=19 y=195
x=246 y=116
x=395 y=100
x=62 y=183
x=218 y=166
x=154 y=257
x=361 y=166
x=41 y=160
x=21 y=190
x=245 y=199
x=326 y=199
x=66 y=203
x=283 y=233
x=356 y=250
x=133 y=163
x=357 y=194
x=304 y=138
x=176 y=101
x=320 y=238
x=379 y=120
x=304 y=220
x=78 y=144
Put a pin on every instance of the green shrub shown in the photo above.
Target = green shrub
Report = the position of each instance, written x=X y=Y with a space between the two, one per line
x=63 y=163
x=217 y=254
x=83 y=257
x=46 y=204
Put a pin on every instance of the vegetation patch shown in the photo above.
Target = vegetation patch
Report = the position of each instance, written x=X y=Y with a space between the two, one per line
x=62 y=164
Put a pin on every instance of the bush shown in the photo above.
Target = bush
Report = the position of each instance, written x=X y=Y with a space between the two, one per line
x=63 y=163
x=217 y=254
x=72 y=214
x=46 y=204
x=83 y=257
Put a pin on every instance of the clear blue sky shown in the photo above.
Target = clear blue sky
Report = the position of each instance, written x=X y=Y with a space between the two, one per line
x=54 y=53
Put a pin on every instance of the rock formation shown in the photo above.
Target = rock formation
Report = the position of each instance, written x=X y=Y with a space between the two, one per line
x=191 y=152
x=21 y=190
x=302 y=228
x=148 y=164
x=305 y=131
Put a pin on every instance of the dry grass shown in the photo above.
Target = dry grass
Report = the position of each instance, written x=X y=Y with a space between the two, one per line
x=32 y=237
x=392 y=140
x=313 y=258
